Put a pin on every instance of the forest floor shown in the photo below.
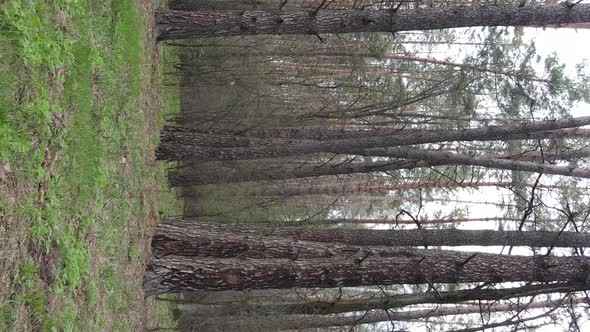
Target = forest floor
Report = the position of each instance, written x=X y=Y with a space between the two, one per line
x=81 y=104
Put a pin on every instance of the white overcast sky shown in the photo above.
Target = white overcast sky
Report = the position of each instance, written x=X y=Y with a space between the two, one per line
x=572 y=47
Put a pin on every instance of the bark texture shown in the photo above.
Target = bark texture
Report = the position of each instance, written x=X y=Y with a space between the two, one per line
x=300 y=322
x=253 y=173
x=357 y=188
x=179 y=273
x=376 y=237
x=209 y=23
x=179 y=178
x=450 y=158
x=185 y=144
x=338 y=306
x=182 y=239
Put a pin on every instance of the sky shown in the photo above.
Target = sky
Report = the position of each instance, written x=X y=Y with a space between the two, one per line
x=572 y=47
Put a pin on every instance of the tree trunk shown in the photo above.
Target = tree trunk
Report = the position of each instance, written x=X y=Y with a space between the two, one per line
x=421 y=222
x=191 y=178
x=379 y=302
x=185 y=144
x=300 y=322
x=265 y=172
x=353 y=200
x=205 y=240
x=223 y=4
x=179 y=273
x=347 y=189
x=209 y=23
x=450 y=158
x=349 y=132
x=377 y=237
x=547 y=156
x=338 y=52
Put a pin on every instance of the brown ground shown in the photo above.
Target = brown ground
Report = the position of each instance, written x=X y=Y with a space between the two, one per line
x=149 y=107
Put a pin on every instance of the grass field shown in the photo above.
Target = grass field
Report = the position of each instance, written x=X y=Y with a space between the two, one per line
x=81 y=101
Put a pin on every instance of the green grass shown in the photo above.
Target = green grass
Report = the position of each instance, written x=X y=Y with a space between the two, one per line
x=78 y=135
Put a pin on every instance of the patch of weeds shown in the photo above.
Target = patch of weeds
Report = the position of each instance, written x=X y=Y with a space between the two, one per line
x=9 y=93
x=164 y=313
x=69 y=110
x=67 y=315
x=127 y=45
x=132 y=251
x=31 y=294
x=7 y=316
x=75 y=263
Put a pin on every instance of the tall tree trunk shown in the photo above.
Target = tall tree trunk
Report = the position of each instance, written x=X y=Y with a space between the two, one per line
x=412 y=58
x=378 y=237
x=352 y=132
x=181 y=178
x=357 y=188
x=378 y=302
x=223 y=4
x=180 y=273
x=185 y=144
x=547 y=156
x=420 y=222
x=300 y=322
x=450 y=158
x=316 y=132
x=210 y=23
x=353 y=200
x=206 y=240
x=263 y=171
